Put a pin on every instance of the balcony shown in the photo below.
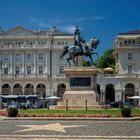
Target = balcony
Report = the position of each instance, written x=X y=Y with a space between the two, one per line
x=125 y=75
x=63 y=76
x=128 y=46
x=23 y=46
x=21 y=77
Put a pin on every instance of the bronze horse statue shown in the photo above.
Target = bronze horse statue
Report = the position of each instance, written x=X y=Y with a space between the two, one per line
x=74 y=50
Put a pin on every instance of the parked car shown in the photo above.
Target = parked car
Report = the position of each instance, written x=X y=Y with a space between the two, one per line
x=38 y=104
x=116 y=104
x=14 y=104
x=23 y=105
x=127 y=104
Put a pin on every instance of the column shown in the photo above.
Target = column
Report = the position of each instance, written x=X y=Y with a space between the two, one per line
x=11 y=63
x=23 y=66
x=47 y=92
x=12 y=90
x=118 y=95
x=102 y=89
x=23 y=90
x=34 y=62
x=0 y=94
x=34 y=90
x=45 y=65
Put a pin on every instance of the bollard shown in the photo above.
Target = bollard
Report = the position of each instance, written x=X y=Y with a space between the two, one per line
x=86 y=105
x=66 y=104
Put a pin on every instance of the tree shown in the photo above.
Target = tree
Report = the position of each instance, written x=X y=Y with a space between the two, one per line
x=106 y=60
x=86 y=63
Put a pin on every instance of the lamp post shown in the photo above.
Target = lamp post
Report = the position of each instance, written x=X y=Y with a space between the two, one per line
x=1 y=67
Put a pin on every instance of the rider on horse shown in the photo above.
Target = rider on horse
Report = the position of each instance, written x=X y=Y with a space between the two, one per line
x=78 y=39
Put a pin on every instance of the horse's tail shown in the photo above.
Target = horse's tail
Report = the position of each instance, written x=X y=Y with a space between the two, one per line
x=65 y=50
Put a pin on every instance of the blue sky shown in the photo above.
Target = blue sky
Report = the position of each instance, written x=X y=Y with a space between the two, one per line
x=100 y=18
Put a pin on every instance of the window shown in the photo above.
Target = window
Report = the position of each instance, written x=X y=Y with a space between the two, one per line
x=62 y=43
x=125 y=42
x=66 y=43
x=6 y=70
x=60 y=56
x=129 y=56
x=5 y=57
x=129 y=41
x=17 y=70
x=28 y=69
x=31 y=43
x=29 y=56
x=58 y=43
x=17 y=58
x=129 y=70
x=40 y=70
x=40 y=56
x=133 y=41
x=61 y=70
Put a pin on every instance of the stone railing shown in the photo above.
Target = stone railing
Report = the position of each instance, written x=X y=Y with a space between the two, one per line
x=128 y=45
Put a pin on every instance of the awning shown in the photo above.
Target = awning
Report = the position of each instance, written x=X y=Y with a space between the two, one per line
x=134 y=97
x=53 y=98
x=109 y=69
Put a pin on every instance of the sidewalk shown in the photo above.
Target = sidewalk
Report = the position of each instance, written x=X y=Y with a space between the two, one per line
x=74 y=118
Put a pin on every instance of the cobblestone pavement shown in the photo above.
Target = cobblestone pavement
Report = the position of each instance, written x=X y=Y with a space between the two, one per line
x=79 y=129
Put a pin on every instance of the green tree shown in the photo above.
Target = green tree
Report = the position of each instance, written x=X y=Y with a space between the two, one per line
x=106 y=60
x=86 y=63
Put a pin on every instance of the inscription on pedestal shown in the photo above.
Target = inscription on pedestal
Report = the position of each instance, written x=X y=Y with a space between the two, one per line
x=80 y=81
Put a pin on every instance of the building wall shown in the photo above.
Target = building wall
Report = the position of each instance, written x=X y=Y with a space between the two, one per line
x=43 y=50
x=124 y=43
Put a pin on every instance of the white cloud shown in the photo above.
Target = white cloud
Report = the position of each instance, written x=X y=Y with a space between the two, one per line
x=69 y=29
x=82 y=19
x=41 y=24
x=98 y=17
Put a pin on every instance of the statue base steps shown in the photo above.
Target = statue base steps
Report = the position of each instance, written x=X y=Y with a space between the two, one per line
x=80 y=90
x=78 y=100
x=58 y=107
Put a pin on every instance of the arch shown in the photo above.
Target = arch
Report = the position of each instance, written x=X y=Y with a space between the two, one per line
x=60 y=90
x=109 y=93
x=129 y=91
x=6 y=89
x=17 y=89
x=98 y=92
x=29 y=89
x=41 y=90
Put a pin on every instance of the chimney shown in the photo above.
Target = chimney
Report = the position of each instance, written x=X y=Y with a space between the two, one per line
x=53 y=29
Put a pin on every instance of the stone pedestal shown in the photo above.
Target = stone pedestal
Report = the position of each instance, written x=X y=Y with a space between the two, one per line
x=80 y=88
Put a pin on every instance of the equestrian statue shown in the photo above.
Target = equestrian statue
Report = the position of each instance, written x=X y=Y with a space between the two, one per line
x=81 y=47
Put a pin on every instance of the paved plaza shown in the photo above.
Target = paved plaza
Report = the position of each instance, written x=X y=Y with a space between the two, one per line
x=52 y=129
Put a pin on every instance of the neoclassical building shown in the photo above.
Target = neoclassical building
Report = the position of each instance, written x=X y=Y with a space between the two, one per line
x=126 y=80
x=31 y=61
x=31 y=64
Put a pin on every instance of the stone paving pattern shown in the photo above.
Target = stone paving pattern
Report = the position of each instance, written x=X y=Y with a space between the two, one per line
x=92 y=128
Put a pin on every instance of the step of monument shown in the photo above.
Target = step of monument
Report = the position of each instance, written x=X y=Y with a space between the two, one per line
x=60 y=107
x=77 y=103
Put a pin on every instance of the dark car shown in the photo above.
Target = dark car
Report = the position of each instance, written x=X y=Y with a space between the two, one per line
x=38 y=104
x=23 y=105
x=127 y=105
x=116 y=104
x=14 y=104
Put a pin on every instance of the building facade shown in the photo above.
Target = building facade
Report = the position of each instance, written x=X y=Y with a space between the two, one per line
x=126 y=80
x=31 y=62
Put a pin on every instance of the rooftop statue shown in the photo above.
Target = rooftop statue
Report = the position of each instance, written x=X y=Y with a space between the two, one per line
x=80 y=47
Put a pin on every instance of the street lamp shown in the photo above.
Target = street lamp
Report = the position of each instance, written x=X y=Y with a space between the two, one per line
x=1 y=67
